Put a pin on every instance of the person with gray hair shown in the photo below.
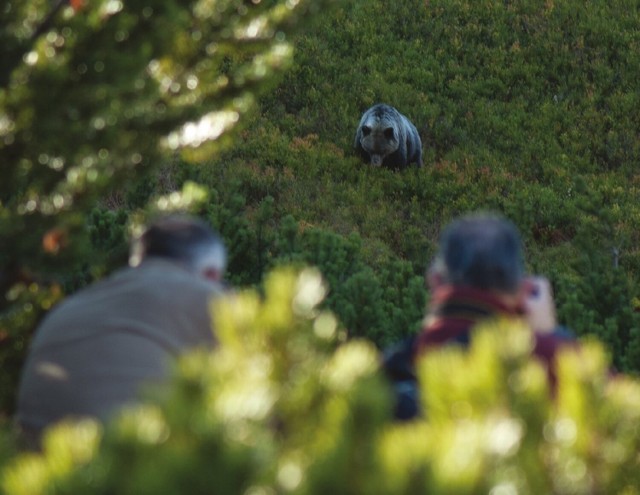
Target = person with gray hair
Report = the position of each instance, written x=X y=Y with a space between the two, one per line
x=477 y=274
x=481 y=251
x=99 y=349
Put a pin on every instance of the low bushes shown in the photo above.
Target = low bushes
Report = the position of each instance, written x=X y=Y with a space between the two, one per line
x=287 y=405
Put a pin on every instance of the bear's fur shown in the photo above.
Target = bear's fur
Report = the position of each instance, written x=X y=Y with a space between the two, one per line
x=386 y=137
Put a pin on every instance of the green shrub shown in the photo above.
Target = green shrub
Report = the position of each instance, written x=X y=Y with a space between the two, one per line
x=287 y=405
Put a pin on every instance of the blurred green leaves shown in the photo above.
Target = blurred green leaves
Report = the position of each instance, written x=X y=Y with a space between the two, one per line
x=282 y=406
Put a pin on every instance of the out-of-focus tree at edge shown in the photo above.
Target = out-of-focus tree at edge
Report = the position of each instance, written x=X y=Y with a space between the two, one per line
x=96 y=93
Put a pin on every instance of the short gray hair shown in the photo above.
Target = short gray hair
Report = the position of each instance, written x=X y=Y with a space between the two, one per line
x=188 y=240
x=481 y=250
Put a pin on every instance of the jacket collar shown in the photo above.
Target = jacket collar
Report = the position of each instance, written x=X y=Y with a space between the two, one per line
x=467 y=302
x=455 y=310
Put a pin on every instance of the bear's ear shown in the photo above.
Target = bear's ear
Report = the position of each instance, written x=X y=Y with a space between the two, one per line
x=388 y=133
x=366 y=130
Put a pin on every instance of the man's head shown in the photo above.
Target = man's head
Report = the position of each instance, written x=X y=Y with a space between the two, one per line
x=483 y=251
x=184 y=239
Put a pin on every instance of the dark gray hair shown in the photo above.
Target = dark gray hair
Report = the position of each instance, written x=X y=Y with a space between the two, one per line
x=481 y=250
x=181 y=238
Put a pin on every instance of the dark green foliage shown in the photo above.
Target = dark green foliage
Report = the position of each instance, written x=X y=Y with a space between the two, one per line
x=383 y=303
x=599 y=302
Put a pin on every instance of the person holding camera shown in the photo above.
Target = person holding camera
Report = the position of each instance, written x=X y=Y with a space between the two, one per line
x=477 y=274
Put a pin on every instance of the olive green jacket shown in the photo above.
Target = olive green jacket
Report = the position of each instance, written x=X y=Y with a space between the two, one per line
x=97 y=350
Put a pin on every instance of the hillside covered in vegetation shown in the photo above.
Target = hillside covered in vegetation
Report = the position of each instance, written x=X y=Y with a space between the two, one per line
x=526 y=108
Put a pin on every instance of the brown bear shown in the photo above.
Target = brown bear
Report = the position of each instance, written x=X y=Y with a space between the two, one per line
x=388 y=138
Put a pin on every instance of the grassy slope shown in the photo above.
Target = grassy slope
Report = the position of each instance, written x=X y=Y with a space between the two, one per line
x=528 y=108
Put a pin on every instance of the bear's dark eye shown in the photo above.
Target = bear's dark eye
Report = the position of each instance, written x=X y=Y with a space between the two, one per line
x=366 y=130
x=388 y=133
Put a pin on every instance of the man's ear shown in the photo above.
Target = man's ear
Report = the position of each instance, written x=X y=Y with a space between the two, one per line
x=212 y=274
x=434 y=278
